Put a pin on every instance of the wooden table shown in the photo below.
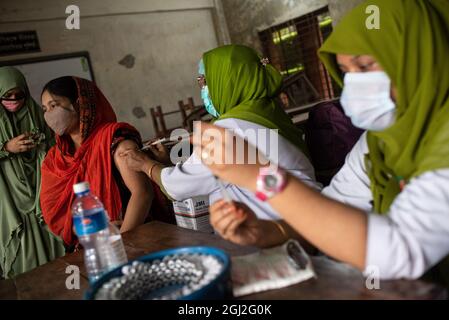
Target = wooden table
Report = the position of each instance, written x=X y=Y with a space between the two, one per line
x=335 y=280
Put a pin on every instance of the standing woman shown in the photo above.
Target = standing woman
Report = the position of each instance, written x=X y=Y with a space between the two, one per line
x=25 y=241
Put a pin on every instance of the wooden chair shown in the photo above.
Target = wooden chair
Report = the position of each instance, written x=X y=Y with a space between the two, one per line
x=158 y=118
x=186 y=109
x=190 y=113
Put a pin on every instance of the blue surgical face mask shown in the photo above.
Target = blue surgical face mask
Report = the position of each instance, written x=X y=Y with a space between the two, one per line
x=205 y=96
x=208 y=102
x=366 y=99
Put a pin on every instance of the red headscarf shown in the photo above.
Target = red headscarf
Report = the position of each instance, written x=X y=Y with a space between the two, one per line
x=92 y=162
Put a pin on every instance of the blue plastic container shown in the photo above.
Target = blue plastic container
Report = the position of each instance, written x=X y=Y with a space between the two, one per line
x=218 y=289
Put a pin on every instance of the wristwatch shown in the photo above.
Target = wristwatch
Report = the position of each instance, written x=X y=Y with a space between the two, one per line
x=270 y=181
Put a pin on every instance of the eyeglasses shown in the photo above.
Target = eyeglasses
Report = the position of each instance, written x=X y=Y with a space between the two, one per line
x=201 y=81
x=13 y=97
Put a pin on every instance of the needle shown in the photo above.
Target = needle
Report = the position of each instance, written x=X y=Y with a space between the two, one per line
x=166 y=141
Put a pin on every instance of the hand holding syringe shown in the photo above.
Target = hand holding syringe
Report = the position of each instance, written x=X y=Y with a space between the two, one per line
x=166 y=141
x=174 y=140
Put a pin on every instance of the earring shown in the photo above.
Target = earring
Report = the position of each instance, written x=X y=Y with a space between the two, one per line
x=265 y=61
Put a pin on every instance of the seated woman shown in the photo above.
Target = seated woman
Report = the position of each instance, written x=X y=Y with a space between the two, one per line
x=25 y=241
x=387 y=210
x=88 y=140
x=238 y=90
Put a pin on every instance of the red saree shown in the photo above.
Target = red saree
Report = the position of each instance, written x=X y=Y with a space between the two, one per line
x=92 y=162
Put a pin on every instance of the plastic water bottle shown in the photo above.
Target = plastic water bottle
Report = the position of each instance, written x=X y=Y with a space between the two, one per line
x=102 y=242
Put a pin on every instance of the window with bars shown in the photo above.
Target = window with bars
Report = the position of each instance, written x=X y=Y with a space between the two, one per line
x=292 y=48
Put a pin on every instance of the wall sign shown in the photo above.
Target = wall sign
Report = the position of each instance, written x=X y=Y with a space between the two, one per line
x=18 y=42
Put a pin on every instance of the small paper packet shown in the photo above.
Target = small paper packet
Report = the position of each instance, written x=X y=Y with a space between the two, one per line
x=270 y=269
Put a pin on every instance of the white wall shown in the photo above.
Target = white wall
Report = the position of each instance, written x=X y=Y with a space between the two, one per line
x=339 y=8
x=166 y=37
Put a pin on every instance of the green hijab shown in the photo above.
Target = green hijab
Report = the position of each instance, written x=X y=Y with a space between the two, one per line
x=241 y=87
x=412 y=46
x=11 y=78
x=25 y=241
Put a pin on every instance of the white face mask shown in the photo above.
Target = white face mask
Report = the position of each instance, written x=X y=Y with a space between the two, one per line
x=366 y=100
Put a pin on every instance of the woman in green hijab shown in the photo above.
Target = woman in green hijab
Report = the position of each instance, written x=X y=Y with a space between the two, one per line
x=387 y=211
x=25 y=241
x=238 y=88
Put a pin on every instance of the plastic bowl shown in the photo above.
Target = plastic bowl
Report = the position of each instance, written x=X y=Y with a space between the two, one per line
x=218 y=289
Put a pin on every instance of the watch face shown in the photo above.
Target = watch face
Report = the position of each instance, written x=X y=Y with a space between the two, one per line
x=270 y=181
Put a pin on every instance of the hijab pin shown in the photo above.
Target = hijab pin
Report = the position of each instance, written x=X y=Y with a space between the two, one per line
x=265 y=61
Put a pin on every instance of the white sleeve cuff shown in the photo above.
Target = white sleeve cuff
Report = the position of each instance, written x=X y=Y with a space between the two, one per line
x=392 y=253
x=378 y=238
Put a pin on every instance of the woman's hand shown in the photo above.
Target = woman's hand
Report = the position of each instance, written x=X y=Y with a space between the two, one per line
x=160 y=153
x=20 y=144
x=217 y=148
x=136 y=160
x=138 y=184
x=235 y=222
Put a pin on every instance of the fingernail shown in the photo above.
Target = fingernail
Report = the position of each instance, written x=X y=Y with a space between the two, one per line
x=240 y=214
x=227 y=210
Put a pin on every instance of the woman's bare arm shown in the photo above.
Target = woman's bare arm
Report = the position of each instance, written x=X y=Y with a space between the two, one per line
x=138 y=184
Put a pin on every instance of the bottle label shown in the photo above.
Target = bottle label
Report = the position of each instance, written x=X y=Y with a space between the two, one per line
x=91 y=222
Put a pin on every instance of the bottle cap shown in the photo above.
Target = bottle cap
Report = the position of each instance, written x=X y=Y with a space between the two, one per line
x=81 y=187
